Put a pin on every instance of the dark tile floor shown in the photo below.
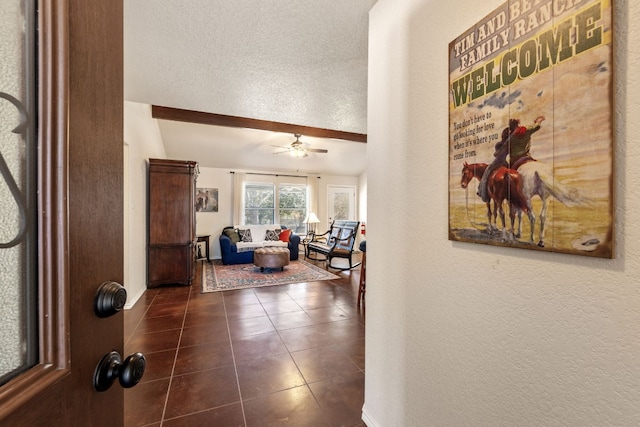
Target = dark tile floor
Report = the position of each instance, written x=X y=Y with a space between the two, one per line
x=290 y=355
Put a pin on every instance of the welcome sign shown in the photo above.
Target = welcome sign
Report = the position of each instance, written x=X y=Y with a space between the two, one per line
x=531 y=128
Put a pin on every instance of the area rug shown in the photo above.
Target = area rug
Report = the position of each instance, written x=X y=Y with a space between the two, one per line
x=218 y=277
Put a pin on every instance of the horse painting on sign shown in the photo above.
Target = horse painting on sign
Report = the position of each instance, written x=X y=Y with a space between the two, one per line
x=503 y=186
x=538 y=180
x=517 y=188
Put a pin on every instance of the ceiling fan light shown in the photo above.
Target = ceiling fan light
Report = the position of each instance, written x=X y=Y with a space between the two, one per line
x=298 y=152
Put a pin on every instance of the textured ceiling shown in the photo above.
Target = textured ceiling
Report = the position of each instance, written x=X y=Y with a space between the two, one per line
x=301 y=62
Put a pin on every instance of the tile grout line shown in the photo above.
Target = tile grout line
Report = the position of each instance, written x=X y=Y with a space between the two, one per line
x=233 y=357
x=135 y=328
x=175 y=358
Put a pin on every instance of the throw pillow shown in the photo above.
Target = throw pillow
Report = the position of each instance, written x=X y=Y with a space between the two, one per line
x=232 y=234
x=272 y=235
x=245 y=235
x=284 y=235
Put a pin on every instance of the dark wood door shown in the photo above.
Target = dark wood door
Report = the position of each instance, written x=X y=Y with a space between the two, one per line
x=80 y=221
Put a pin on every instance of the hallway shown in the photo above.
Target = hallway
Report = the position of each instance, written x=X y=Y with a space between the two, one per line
x=290 y=355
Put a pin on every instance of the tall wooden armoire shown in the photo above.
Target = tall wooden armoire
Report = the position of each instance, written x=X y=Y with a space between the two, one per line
x=172 y=223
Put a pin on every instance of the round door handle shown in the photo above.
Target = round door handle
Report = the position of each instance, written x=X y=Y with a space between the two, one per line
x=129 y=372
x=110 y=299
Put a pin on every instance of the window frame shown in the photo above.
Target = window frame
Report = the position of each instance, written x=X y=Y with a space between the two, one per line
x=276 y=210
x=258 y=209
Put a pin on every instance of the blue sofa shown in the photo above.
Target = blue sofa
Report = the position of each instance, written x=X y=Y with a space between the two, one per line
x=230 y=254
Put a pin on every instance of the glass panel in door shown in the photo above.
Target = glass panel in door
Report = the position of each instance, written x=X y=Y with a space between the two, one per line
x=18 y=268
x=341 y=203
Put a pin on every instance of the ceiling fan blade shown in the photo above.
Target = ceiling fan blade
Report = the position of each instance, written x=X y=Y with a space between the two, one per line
x=298 y=148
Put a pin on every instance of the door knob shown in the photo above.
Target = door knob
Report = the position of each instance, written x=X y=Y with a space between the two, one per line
x=129 y=372
x=110 y=299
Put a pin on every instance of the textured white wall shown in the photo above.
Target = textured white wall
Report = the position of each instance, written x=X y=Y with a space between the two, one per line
x=144 y=140
x=472 y=335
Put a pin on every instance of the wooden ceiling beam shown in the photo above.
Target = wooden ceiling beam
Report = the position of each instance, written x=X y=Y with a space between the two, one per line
x=179 y=115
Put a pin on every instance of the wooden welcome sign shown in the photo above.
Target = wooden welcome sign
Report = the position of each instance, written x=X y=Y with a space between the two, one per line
x=531 y=128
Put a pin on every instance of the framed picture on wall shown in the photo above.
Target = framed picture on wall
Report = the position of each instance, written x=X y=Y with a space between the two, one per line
x=531 y=149
x=206 y=200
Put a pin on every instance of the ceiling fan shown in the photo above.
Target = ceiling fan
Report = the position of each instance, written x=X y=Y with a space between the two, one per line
x=299 y=148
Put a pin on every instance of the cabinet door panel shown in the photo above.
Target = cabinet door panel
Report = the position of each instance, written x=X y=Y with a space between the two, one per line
x=170 y=208
x=172 y=264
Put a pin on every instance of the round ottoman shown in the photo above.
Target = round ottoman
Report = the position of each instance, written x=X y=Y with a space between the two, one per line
x=271 y=258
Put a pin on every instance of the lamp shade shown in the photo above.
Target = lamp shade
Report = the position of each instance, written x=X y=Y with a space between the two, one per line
x=311 y=219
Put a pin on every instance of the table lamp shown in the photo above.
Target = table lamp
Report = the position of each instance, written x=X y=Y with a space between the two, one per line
x=311 y=220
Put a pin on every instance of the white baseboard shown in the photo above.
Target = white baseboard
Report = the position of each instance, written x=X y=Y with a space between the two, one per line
x=131 y=300
x=367 y=419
